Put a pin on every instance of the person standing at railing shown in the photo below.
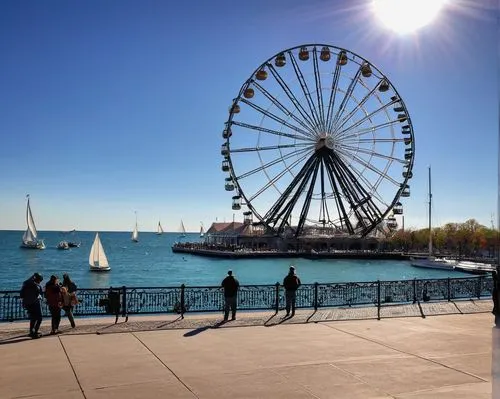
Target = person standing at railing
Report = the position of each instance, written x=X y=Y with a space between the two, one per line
x=31 y=294
x=231 y=286
x=291 y=284
x=69 y=298
x=54 y=300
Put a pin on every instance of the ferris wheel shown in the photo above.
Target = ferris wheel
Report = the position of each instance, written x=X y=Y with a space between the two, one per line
x=318 y=142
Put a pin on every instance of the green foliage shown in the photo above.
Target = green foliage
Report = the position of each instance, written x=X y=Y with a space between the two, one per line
x=466 y=239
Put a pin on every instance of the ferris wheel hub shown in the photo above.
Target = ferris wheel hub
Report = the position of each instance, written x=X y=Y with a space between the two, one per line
x=324 y=140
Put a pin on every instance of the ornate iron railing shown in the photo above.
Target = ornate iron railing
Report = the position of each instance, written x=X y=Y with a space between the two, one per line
x=148 y=300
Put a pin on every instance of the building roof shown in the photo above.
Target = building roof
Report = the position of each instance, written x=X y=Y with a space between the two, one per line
x=226 y=228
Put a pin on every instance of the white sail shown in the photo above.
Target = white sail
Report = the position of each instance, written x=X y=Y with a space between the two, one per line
x=30 y=239
x=31 y=224
x=160 y=229
x=135 y=234
x=97 y=257
x=182 y=229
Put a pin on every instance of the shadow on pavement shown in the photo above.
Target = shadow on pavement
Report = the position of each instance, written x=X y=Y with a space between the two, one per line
x=169 y=322
x=16 y=339
x=196 y=331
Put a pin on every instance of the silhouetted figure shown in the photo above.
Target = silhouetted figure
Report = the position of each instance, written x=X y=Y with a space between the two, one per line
x=31 y=294
x=494 y=294
x=68 y=291
x=291 y=284
x=54 y=301
x=231 y=286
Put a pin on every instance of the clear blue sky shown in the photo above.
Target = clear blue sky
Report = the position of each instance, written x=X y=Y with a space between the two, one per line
x=112 y=107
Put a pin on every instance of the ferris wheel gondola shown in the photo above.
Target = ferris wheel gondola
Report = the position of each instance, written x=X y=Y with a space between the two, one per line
x=318 y=141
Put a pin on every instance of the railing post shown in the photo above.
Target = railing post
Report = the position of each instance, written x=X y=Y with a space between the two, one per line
x=182 y=300
x=277 y=298
x=479 y=286
x=449 y=289
x=414 y=290
x=124 y=304
x=315 y=296
x=378 y=299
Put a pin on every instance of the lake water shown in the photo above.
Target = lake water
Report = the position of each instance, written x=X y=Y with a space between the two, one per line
x=151 y=263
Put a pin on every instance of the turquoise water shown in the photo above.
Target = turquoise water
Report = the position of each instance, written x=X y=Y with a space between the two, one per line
x=151 y=263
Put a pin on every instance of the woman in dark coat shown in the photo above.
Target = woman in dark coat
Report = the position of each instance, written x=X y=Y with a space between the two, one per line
x=54 y=300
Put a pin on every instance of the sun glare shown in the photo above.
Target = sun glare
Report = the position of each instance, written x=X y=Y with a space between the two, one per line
x=406 y=16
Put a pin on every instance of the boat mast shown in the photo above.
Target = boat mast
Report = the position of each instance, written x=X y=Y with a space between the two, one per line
x=430 y=213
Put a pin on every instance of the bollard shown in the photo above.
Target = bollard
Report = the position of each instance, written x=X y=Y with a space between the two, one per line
x=182 y=300
x=315 y=296
x=277 y=298
x=378 y=299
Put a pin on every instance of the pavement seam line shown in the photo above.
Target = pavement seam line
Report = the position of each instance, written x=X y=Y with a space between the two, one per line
x=303 y=387
x=406 y=353
x=361 y=380
x=72 y=367
x=165 y=365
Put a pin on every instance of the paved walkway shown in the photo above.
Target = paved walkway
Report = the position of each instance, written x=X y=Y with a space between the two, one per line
x=313 y=355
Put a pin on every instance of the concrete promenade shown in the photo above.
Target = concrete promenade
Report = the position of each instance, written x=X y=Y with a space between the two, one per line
x=445 y=354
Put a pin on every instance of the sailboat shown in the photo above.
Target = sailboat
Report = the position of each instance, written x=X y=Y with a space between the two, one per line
x=30 y=239
x=159 y=230
x=431 y=262
x=135 y=233
x=182 y=230
x=97 y=258
x=202 y=231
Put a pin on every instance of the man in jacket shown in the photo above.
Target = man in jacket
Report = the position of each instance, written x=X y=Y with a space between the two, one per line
x=231 y=286
x=31 y=294
x=291 y=284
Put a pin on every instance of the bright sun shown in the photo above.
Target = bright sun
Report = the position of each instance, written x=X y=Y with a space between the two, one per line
x=405 y=16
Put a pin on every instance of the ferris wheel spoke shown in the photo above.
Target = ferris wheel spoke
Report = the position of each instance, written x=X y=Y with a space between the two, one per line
x=297 y=184
x=305 y=90
x=369 y=166
x=307 y=132
x=345 y=100
x=333 y=95
x=360 y=200
x=323 y=210
x=373 y=192
x=366 y=118
x=307 y=203
x=272 y=147
x=274 y=180
x=271 y=131
x=368 y=130
x=275 y=161
x=298 y=106
x=375 y=140
x=371 y=153
x=358 y=107
x=276 y=118
x=342 y=211
x=319 y=95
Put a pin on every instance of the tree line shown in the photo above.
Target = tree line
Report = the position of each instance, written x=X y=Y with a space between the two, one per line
x=460 y=239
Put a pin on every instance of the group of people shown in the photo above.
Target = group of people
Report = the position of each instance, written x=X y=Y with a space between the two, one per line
x=59 y=296
x=231 y=285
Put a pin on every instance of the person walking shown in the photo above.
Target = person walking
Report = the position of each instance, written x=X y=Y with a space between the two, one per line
x=70 y=300
x=54 y=301
x=291 y=284
x=31 y=294
x=231 y=286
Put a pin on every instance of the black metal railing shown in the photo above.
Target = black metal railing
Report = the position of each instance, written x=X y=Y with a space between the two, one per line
x=124 y=301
